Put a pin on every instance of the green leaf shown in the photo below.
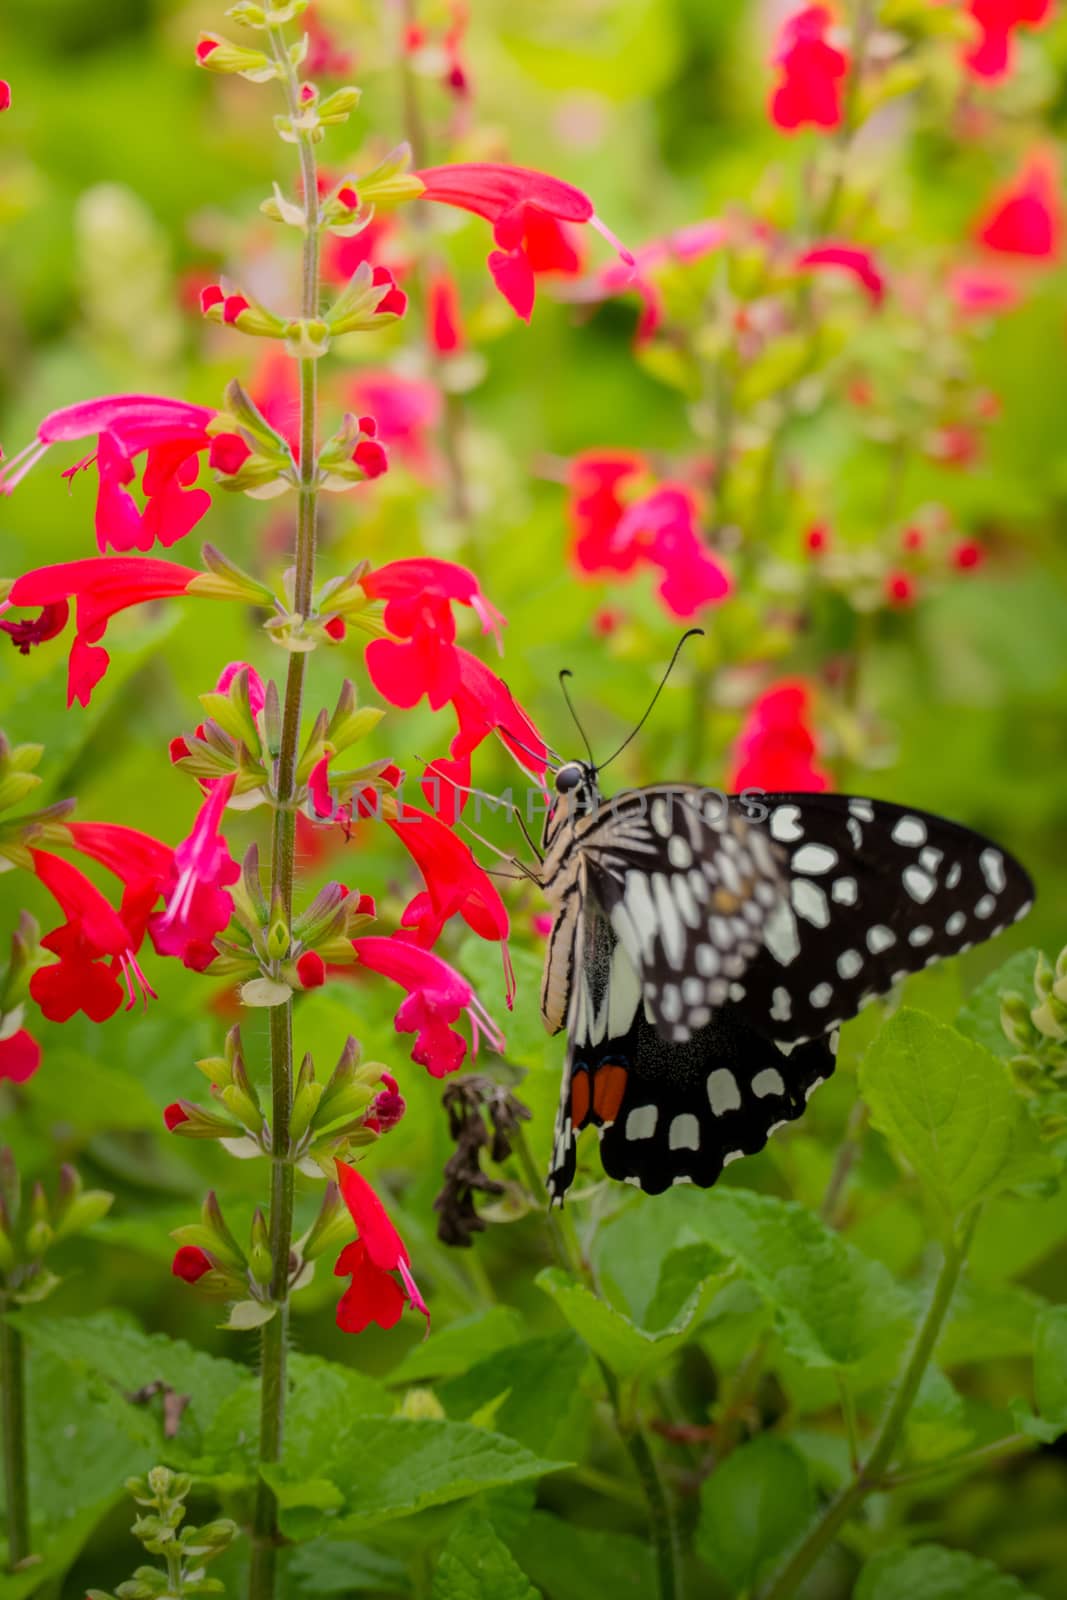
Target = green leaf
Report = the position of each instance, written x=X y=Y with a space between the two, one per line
x=532 y=1389
x=627 y=1349
x=460 y=1345
x=979 y=1019
x=947 y=1106
x=752 y=1508
x=937 y=1424
x=339 y=1566
x=988 y=1322
x=475 y=1565
x=246 y=1314
x=1050 y=1365
x=834 y=1306
x=527 y=1041
x=572 y=1563
x=932 y=1572
x=57 y=1553
x=392 y=1467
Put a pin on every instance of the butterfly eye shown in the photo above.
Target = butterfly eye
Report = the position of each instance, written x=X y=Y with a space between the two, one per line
x=569 y=778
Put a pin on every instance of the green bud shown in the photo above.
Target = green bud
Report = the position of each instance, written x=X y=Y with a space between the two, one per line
x=198 y=1122
x=88 y=1208
x=1044 y=977
x=8 y=1257
x=217 y=54
x=211 y=1539
x=305 y=1104
x=260 y=1263
x=356 y=308
x=330 y=1229
x=279 y=939
x=224 y=580
x=421 y=1405
x=338 y=107
x=390 y=182
x=1015 y=1021
x=216 y=1070
x=241 y=1106
x=1051 y=1018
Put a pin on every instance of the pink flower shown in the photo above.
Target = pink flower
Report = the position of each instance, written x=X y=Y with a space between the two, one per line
x=94 y=944
x=846 y=258
x=5 y=95
x=169 y=433
x=443 y=318
x=387 y=1108
x=979 y=291
x=437 y=997
x=20 y=1054
x=198 y=906
x=419 y=595
x=1026 y=218
x=525 y=209
x=989 y=56
x=691 y=243
x=101 y=587
x=406 y=411
x=776 y=749
x=373 y=1294
x=809 y=91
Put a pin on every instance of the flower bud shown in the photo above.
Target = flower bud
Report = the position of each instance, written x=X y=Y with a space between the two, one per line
x=305 y=1104
x=1050 y=1018
x=218 y=54
x=191 y=1121
x=1015 y=1021
x=260 y=1263
x=369 y=300
x=390 y=182
x=279 y=939
x=209 y=1540
x=421 y=1405
x=332 y=1226
x=307 y=338
x=224 y=580
x=338 y=107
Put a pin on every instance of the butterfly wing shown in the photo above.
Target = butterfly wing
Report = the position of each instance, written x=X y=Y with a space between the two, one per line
x=688 y=886
x=875 y=892
x=667 y=1113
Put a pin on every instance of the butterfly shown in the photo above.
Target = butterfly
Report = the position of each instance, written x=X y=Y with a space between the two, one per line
x=706 y=949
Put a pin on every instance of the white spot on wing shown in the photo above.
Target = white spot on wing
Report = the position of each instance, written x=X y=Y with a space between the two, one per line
x=880 y=938
x=809 y=901
x=920 y=935
x=814 y=858
x=909 y=830
x=723 y=1093
x=781 y=937
x=918 y=883
x=821 y=995
x=785 y=824
x=862 y=809
x=769 y=1081
x=678 y=852
x=641 y=1123
x=671 y=930
x=992 y=865
x=685 y=1132
x=955 y=923
x=986 y=906
x=844 y=891
x=849 y=963
x=781 y=1005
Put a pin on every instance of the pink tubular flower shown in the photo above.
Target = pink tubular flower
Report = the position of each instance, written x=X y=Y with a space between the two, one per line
x=1026 y=218
x=846 y=258
x=170 y=433
x=198 y=906
x=443 y=318
x=373 y=1294
x=455 y=883
x=809 y=91
x=101 y=587
x=20 y=1056
x=406 y=412
x=776 y=749
x=522 y=206
x=989 y=55
x=437 y=997
x=418 y=596
x=94 y=944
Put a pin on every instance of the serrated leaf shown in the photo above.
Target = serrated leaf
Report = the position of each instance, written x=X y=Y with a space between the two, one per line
x=627 y=1349
x=1050 y=1365
x=460 y=1345
x=946 y=1104
x=937 y=1424
x=339 y=1566
x=752 y=1508
x=528 y=1391
x=476 y=1565
x=988 y=1322
x=932 y=1572
x=979 y=1019
x=571 y=1563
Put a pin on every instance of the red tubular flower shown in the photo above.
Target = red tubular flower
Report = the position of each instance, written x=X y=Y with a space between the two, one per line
x=809 y=91
x=982 y=291
x=5 y=95
x=198 y=906
x=989 y=55
x=191 y=1263
x=596 y=506
x=817 y=539
x=170 y=433
x=311 y=970
x=444 y=322
x=437 y=997
x=517 y=202
x=418 y=597
x=846 y=258
x=1026 y=218
x=174 y=1115
x=405 y=410
x=484 y=705
x=776 y=749
x=101 y=587
x=387 y=1108
x=20 y=1056
x=373 y=1294
x=455 y=883
x=94 y=944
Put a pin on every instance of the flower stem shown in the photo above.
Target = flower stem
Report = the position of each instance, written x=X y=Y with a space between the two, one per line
x=871 y=1473
x=16 y=1477
x=263 y=1567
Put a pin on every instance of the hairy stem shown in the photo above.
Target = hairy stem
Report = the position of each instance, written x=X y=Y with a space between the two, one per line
x=16 y=1479
x=262 y=1572
x=871 y=1473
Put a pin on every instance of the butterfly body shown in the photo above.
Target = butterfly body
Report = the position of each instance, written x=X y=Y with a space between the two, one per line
x=706 y=949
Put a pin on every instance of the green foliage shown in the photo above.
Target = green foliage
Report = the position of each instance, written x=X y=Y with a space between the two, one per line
x=475 y=1565
x=752 y=1509
x=930 y=1572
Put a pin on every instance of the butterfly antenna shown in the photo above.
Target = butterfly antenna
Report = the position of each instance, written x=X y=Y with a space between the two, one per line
x=693 y=633
x=566 y=673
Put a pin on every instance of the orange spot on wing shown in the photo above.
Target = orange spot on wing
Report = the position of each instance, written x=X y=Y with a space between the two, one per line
x=580 y=1099
x=609 y=1086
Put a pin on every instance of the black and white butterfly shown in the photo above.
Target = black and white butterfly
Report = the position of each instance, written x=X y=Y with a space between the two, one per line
x=706 y=949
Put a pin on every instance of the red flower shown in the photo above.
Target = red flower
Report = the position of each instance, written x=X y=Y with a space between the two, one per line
x=989 y=56
x=817 y=539
x=901 y=590
x=20 y=1055
x=101 y=588
x=418 y=597
x=455 y=883
x=443 y=319
x=373 y=1295
x=5 y=95
x=174 y=1115
x=311 y=970
x=967 y=555
x=776 y=749
x=387 y=1108
x=198 y=906
x=94 y=944
x=809 y=92
x=846 y=258
x=982 y=291
x=405 y=411
x=484 y=705
x=437 y=997
x=596 y=506
x=170 y=433
x=1026 y=218
x=190 y=1263
x=519 y=203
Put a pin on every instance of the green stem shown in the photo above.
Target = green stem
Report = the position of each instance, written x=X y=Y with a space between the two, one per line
x=871 y=1473
x=16 y=1475
x=263 y=1568
x=986 y=1455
